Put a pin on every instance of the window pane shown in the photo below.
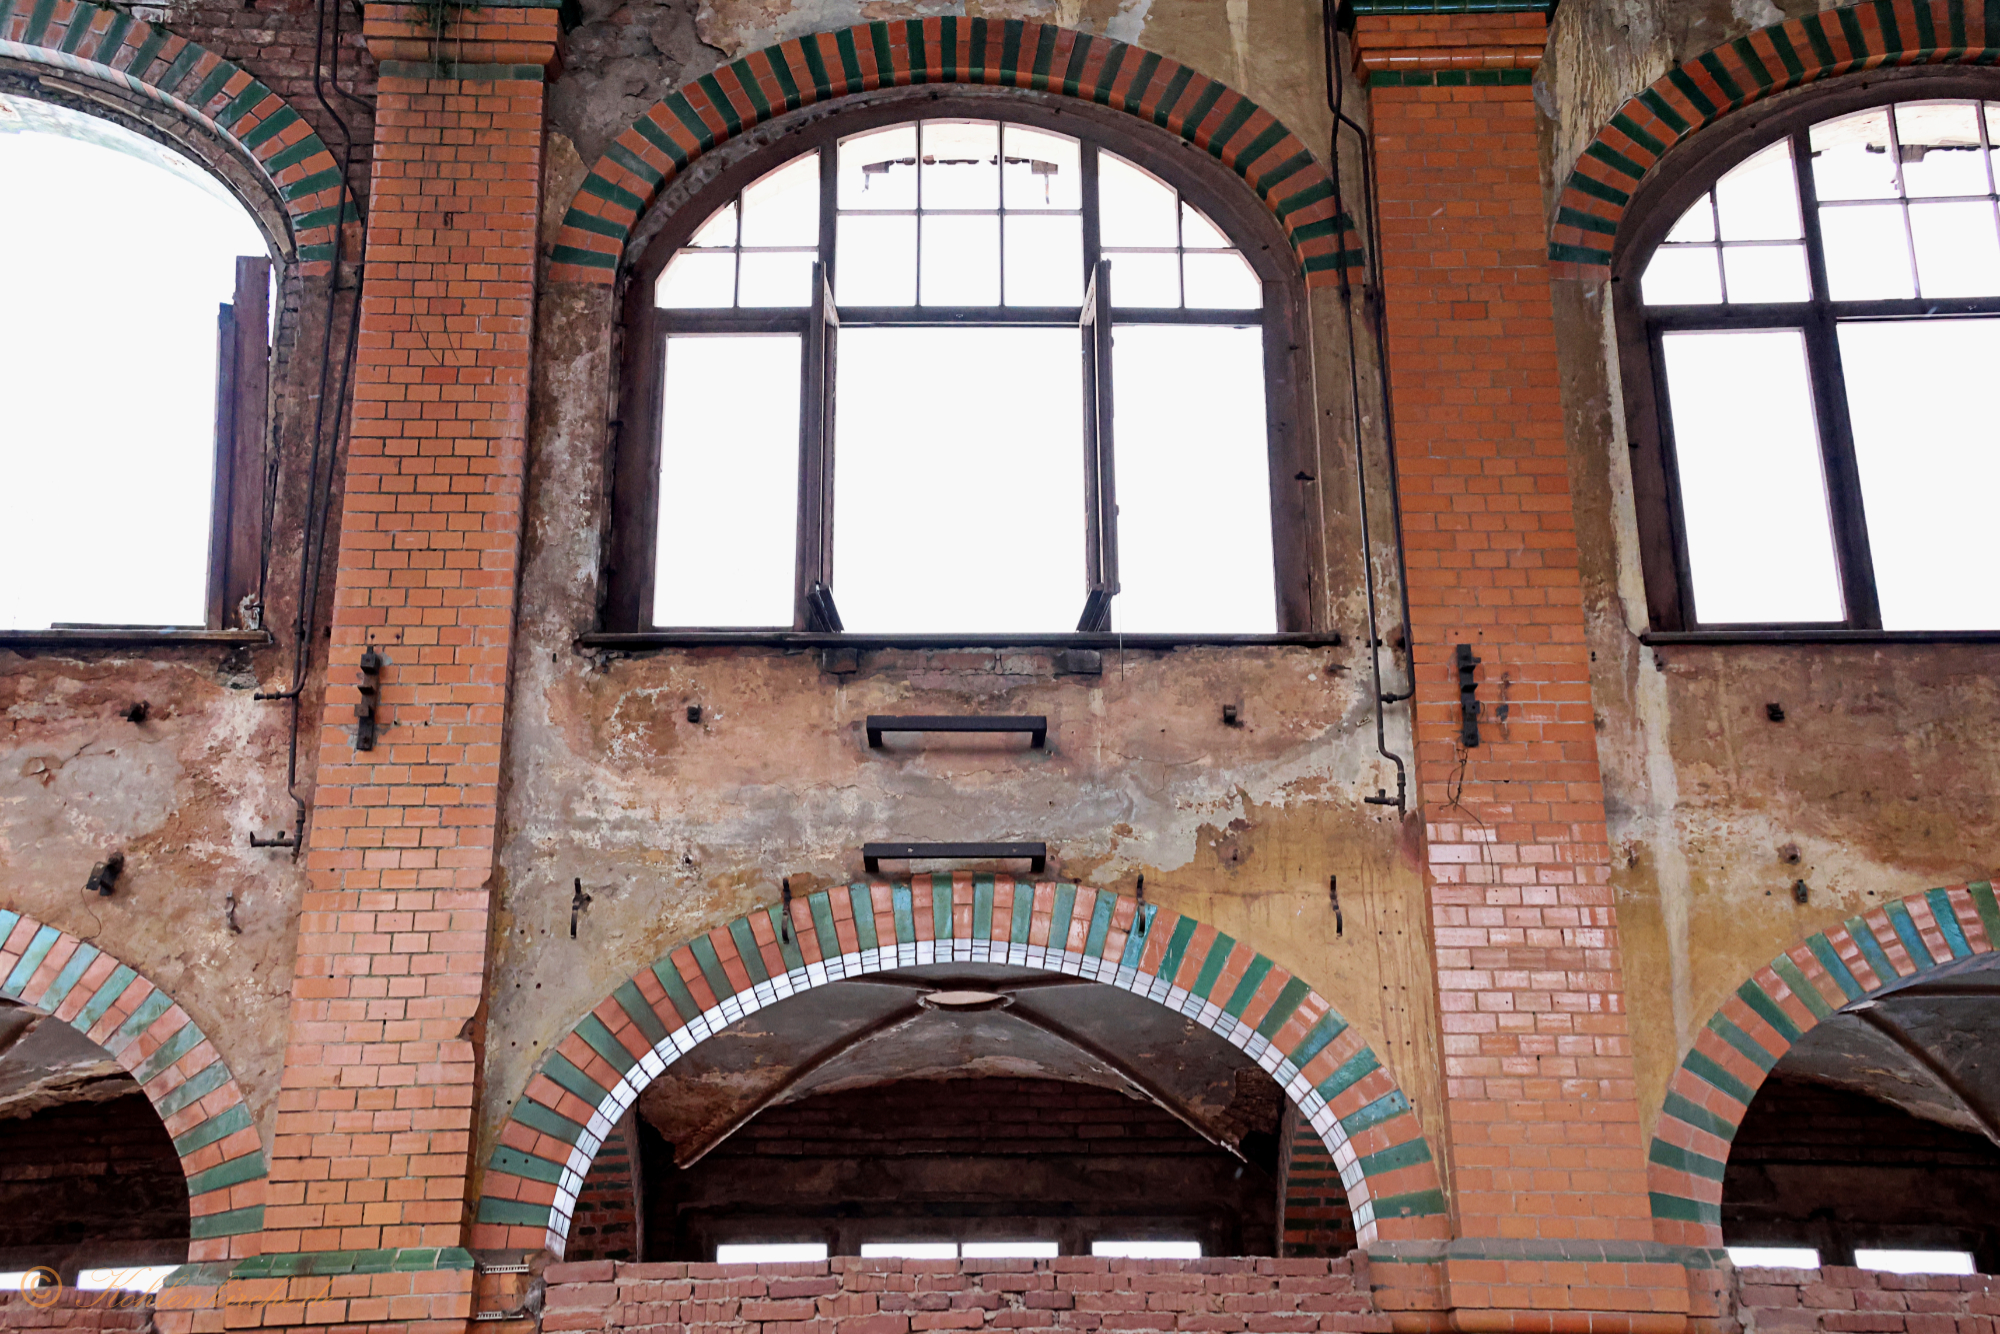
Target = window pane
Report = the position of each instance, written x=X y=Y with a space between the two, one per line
x=961 y=164
x=1044 y=260
x=1774 y=1257
x=1941 y=154
x=1221 y=282
x=1760 y=547
x=729 y=467
x=697 y=281
x=879 y=169
x=1958 y=248
x=1041 y=170
x=1867 y=252
x=1145 y=280
x=1759 y=200
x=1148 y=1250
x=107 y=371
x=777 y=278
x=1766 y=273
x=1682 y=277
x=769 y=1252
x=1198 y=233
x=782 y=209
x=961 y=260
x=1136 y=208
x=719 y=230
x=1928 y=447
x=1009 y=1250
x=909 y=1250
x=1697 y=224
x=1851 y=157
x=877 y=261
x=1194 y=483
x=936 y=424
x=1916 y=1262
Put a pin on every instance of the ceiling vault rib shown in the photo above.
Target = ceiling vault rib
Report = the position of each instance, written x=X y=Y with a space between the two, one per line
x=1942 y=1074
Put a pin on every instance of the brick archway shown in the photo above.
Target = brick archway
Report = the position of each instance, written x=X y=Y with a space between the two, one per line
x=176 y=1065
x=1710 y=1092
x=112 y=47
x=596 y=1073
x=997 y=53
x=1732 y=76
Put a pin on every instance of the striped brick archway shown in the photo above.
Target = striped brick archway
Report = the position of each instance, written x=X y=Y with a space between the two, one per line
x=1700 y=92
x=111 y=46
x=595 y=1074
x=176 y=1065
x=993 y=52
x=1710 y=1092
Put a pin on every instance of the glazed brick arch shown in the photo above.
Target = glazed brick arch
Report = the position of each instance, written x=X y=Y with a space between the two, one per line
x=1732 y=76
x=112 y=46
x=177 y=1068
x=591 y=1079
x=1710 y=1092
x=1003 y=53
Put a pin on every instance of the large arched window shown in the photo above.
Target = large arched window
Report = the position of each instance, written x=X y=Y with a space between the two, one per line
x=973 y=367
x=133 y=358
x=1811 y=320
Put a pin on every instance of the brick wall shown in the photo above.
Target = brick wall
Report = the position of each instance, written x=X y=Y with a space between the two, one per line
x=606 y=1223
x=75 y=1310
x=86 y=1174
x=851 y=1296
x=1314 y=1218
x=1863 y=1301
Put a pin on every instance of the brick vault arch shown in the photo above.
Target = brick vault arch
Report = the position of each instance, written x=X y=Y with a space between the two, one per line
x=597 y=1071
x=1014 y=53
x=1873 y=35
x=177 y=1067
x=1710 y=1092
x=109 y=46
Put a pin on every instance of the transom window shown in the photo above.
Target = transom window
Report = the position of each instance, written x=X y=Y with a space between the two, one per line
x=955 y=374
x=1823 y=324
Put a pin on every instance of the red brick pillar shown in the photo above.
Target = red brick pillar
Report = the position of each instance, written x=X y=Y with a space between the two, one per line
x=1543 y=1143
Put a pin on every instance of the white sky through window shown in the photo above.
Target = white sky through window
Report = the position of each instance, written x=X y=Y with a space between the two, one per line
x=107 y=365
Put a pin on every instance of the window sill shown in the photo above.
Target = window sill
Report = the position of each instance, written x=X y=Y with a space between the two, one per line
x=1701 y=638
x=799 y=639
x=165 y=637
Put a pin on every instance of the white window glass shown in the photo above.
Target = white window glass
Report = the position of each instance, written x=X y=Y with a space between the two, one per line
x=1193 y=481
x=1958 y=247
x=1756 y=273
x=1774 y=1257
x=19 y=1280
x=130 y=1278
x=782 y=207
x=1136 y=208
x=769 y=1252
x=1695 y=225
x=1867 y=252
x=1198 y=233
x=719 y=230
x=1682 y=277
x=909 y=1250
x=1916 y=1262
x=1220 y=281
x=107 y=514
x=961 y=260
x=1147 y=1250
x=1009 y=1250
x=1142 y=279
x=1759 y=199
x=1041 y=170
x=1927 y=444
x=729 y=462
x=776 y=278
x=961 y=165
x=935 y=424
x=1753 y=499
x=1044 y=259
x=878 y=170
x=1851 y=157
x=698 y=280
x=1941 y=154
x=877 y=264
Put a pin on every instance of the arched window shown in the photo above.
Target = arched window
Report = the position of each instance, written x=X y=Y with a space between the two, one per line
x=132 y=366
x=979 y=368
x=1811 y=321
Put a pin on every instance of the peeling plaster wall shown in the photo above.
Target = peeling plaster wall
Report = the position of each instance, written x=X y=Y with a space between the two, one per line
x=1879 y=780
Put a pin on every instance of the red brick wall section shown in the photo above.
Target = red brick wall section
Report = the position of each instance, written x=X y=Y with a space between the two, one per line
x=75 y=1310
x=1314 y=1217
x=375 y=1112
x=1864 y=1301
x=606 y=1224
x=853 y=1296
x=1541 y=1106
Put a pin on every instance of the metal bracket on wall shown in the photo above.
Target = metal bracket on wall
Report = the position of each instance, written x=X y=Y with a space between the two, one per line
x=1036 y=725
x=873 y=854
x=1468 y=697
x=371 y=694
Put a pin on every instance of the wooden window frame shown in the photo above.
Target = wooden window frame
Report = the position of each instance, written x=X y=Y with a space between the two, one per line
x=1686 y=176
x=634 y=466
x=242 y=395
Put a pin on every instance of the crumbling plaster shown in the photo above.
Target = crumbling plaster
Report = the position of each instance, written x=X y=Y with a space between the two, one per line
x=1877 y=783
